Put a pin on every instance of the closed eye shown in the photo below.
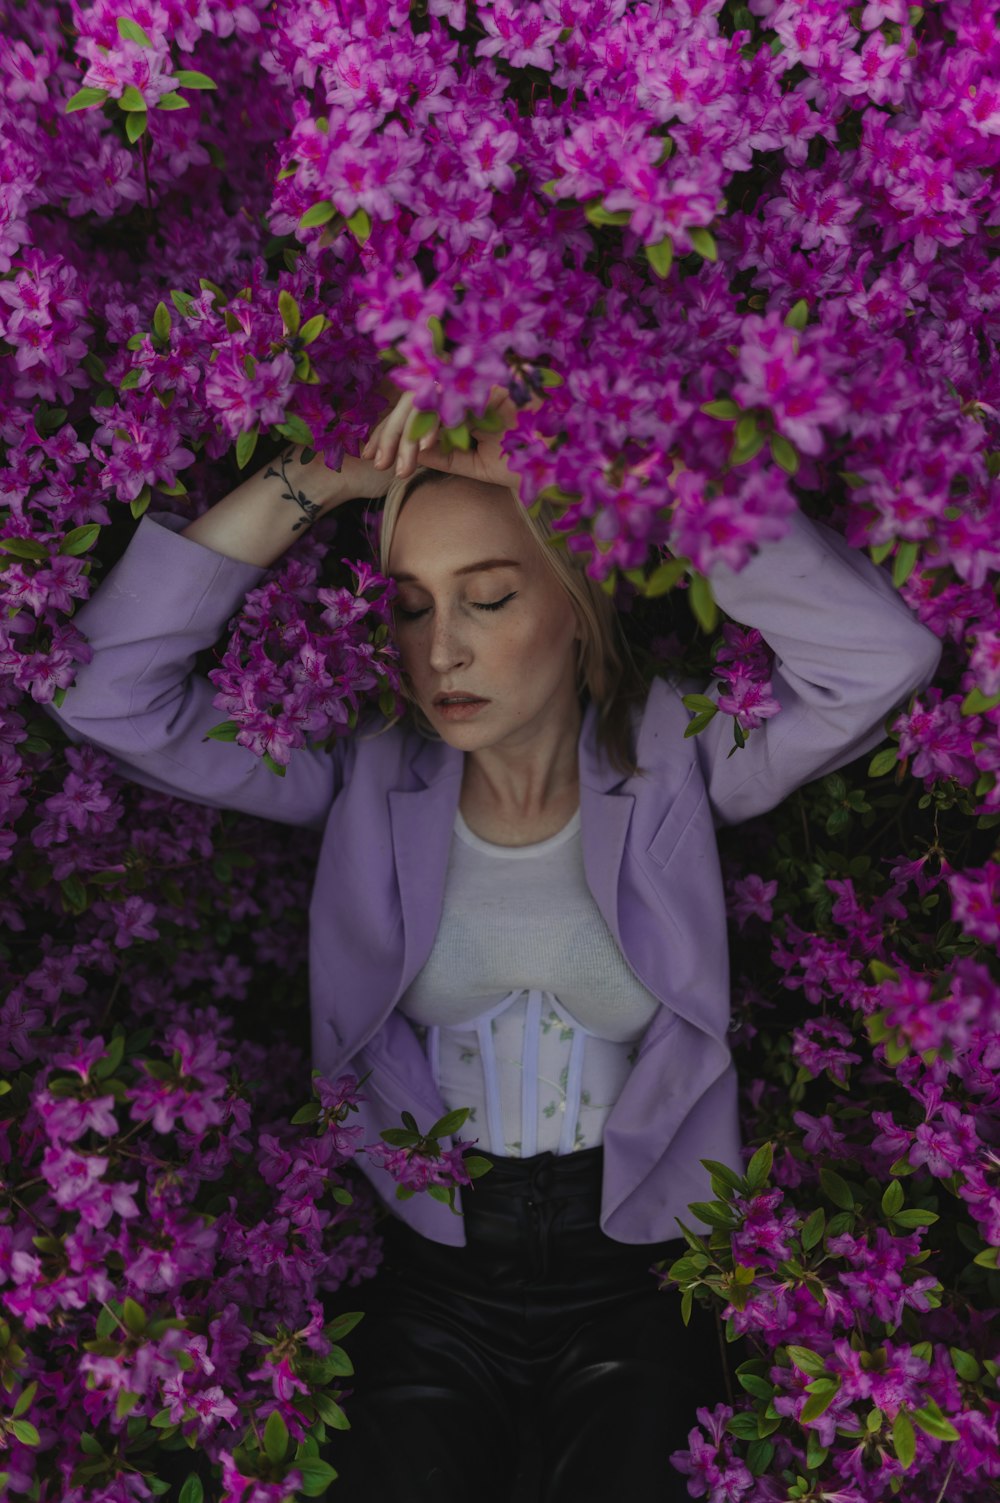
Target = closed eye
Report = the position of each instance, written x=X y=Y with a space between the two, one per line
x=479 y=605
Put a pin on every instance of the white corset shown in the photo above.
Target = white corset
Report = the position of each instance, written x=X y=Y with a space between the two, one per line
x=529 y=1012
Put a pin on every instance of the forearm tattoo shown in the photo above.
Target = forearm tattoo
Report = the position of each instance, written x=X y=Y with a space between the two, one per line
x=310 y=509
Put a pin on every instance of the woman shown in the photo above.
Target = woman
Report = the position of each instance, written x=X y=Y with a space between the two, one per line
x=517 y=906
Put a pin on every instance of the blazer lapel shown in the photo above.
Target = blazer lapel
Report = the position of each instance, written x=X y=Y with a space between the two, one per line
x=604 y=823
x=422 y=822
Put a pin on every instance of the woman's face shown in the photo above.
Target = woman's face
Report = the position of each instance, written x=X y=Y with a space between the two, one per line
x=485 y=632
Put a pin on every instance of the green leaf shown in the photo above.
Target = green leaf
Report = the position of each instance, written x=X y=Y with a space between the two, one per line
x=756 y=1386
x=988 y=1258
x=342 y=1325
x=475 y=1165
x=836 y=1189
x=703 y=241
x=450 y=1123
x=822 y=1395
x=74 y=892
x=140 y=505
x=273 y=766
x=760 y=1454
x=725 y=408
x=131 y=99
x=308 y=1113
x=784 y=454
x=598 y=215
x=320 y=213
x=190 y=78
x=904 y=563
x=421 y=424
x=911 y=1219
x=131 y=31
x=806 y=1360
x=289 y=310
x=697 y=725
x=80 y=539
x=360 y=225
x=702 y=603
x=904 y=1440
x=134 y=1317
x=125 y=1402
x=759 y=1167
x=813 y=1229
x=436 y=329
x=135 y=125
x=313 y=328
x=296 y=430
x=661 y=256
x=977 y=703
x=162 y=322
x=341 y=1196
x=24 y=548
x=330 y=1412
x=85 y=99
x=964 y=1363
x=664 y=577
x=245 y=446
x=316 y=1476
x=172 y=101
x=743 y=453
x=699 y=703
x=713 y=1213
x=227 y=731
x=798 y=315
x=883 y=762
x=192 y=1491
x=275 y=1438
x=933 y=1422
x=24 y=1399
x=892 y=1200
x=25 y=1432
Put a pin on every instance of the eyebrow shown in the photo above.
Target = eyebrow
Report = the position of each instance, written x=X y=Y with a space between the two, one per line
x=480 y=568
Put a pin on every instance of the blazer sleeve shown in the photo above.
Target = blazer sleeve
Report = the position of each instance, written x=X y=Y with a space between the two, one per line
x=847 y=651
x=140 y=699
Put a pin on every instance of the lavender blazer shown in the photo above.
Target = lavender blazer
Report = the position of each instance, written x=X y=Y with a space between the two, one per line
x=848 y=651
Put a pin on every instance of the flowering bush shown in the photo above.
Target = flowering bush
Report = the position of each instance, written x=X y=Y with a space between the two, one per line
x=746 y=255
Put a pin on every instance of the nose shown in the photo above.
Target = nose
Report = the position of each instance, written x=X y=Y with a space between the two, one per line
x=448 y=646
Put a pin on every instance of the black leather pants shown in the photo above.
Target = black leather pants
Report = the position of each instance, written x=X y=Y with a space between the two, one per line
x=541 y=1332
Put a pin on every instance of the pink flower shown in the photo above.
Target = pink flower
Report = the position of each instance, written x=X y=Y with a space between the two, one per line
x=750 y=897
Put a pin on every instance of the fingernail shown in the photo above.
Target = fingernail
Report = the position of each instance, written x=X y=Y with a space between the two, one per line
x=379 y=456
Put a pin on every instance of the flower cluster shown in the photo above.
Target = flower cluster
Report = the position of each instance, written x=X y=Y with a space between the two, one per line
x=163 y=1278
x=281 y=683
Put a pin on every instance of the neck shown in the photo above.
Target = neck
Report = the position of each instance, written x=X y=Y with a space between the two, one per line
x=528 y=779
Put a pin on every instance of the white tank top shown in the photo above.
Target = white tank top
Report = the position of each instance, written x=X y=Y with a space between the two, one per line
x=528 y=1010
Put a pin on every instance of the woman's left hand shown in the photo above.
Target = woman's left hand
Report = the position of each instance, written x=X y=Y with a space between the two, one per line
x=389 y=446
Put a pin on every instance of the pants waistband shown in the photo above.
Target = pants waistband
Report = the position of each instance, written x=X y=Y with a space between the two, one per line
x=562 y=1175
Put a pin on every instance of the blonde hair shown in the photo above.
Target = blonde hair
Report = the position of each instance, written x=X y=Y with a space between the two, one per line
x=606 y=671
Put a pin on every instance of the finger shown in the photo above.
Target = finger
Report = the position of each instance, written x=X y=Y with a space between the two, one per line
x=390 y=431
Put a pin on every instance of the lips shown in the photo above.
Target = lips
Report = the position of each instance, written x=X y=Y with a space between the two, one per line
x=447 y=701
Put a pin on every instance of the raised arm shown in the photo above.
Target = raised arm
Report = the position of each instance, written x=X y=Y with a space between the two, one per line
x=847 y=651
x=171 y=595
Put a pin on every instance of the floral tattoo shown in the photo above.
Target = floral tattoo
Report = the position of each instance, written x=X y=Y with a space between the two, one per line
x=310 y=509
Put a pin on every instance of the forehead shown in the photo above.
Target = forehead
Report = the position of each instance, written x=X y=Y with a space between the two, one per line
x=443 y=528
